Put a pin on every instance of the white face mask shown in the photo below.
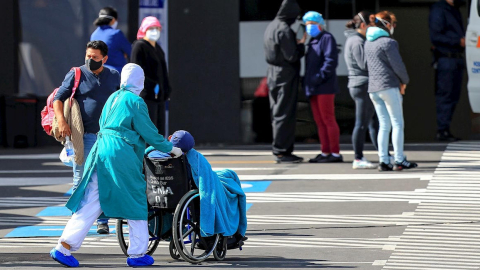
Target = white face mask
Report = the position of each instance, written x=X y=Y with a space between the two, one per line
x=391 y=30
x=153 y=34
x=114 y=25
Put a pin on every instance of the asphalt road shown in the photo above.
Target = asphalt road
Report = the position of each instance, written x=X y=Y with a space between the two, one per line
x=301 y=216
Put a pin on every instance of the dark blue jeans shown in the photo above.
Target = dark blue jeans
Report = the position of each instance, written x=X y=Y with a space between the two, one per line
x=448 y=86
x=364 y=117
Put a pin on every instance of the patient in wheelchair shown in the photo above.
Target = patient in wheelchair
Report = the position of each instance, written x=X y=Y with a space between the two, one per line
x=222 y=200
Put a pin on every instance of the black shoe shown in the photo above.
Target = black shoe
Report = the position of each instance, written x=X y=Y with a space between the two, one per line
x=326 y=159
x=446 y=136
x=103 y=229
x=405 y=164
x=318 y=159
x=382 y=167
x=288 y=159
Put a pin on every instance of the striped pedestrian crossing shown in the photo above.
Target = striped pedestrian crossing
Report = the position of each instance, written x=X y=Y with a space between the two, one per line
x=254 y=242
x=453 y=244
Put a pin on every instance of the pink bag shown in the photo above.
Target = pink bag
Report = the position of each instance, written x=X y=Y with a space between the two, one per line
x=47 y=113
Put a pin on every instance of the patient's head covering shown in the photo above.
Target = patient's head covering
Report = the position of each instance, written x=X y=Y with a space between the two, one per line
x=183 y=140
x=132 y=78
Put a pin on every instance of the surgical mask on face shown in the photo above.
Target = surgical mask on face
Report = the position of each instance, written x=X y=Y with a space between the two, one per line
x=114 y=25
x=93 y=65
x=313 y=30
x=153 y=34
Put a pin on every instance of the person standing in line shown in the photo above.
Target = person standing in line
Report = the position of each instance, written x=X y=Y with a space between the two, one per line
x=97 y=83
x=321 y=85
x=358 y=85
x=119 y=49
x=283 y=53
x=387 y=82
x=150 y=56
x=447 y=35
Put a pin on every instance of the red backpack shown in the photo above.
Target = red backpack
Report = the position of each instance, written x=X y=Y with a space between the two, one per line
x=47 y=113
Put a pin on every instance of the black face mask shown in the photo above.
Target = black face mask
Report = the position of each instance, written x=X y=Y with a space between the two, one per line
x=93 y=65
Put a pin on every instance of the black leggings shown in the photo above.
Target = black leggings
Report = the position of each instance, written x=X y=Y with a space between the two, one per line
x=364 y=116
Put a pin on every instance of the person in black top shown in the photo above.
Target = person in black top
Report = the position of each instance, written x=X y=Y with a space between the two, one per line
x=283 y=53
x=447 y=35
x=150 y=56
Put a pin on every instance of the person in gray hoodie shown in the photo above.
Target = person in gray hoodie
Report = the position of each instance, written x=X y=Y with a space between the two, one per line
x=283 y=53
x=387 y=82
x=358 y=86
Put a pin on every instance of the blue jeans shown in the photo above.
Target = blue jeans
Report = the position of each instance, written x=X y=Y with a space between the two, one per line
x=89 y=140
x=388 y=105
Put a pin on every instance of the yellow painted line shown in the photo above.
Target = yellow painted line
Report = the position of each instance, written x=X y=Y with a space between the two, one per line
x=243 y=162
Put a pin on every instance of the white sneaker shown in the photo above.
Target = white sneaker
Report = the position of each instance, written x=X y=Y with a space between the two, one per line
x=363 y=164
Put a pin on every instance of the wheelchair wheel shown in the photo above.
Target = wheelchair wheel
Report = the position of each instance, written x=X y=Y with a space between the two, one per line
x=186 y=231
x=221 y=249
x=154 y=227
x=173 y=251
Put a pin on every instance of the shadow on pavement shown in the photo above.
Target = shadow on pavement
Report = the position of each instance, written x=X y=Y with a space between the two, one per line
x=10 y=221
x=112 y=261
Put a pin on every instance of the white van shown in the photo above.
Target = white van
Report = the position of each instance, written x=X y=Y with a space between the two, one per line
x=472 y=44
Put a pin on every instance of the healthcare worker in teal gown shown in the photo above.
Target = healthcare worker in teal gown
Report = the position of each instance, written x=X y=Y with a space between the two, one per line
x=113 y=185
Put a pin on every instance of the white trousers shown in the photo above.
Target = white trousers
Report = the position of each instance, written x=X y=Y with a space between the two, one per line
x=79 y=225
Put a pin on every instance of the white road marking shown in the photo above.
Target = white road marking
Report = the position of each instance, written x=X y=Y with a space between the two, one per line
x=446 y=245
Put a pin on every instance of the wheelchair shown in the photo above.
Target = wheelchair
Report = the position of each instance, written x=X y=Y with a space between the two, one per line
x=174 y=214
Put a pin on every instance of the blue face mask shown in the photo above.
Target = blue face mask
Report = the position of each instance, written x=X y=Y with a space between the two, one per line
x=313 y=30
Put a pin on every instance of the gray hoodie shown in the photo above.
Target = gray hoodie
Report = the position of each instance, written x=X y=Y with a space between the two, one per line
x=385 y=66
x=355 y=59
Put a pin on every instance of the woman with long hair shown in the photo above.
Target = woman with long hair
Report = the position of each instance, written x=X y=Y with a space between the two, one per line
x=387 y=82
x=358 y=86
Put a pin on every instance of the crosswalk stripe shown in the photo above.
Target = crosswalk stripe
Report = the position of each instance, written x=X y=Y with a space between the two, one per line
x=446 y=245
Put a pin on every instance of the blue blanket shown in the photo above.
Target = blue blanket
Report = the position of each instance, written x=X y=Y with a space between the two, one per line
x=222 y=200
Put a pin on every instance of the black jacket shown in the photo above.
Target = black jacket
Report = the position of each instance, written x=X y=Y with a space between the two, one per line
x=446 y=27
x=280 y=43
x=152 y=60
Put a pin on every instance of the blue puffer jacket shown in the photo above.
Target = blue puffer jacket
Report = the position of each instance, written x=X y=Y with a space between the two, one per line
x=385 y=66
x=321 y=62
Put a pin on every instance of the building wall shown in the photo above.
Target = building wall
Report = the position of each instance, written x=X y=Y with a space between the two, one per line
x=204 y=69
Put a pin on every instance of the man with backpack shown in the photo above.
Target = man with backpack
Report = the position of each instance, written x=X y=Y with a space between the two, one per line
x=97 y=83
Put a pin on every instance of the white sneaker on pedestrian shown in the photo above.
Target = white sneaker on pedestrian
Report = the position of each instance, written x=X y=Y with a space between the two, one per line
x=363 y=164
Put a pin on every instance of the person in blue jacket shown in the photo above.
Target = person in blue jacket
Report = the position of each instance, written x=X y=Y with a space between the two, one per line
x=321 y=86
x=447 y=35
x=119 y=49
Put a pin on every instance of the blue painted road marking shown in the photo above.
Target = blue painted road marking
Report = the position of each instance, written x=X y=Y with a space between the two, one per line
x=255 y=186
x=55 y=211
x=46 y=231
x=69 y=192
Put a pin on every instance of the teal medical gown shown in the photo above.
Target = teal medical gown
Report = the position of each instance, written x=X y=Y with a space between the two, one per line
x=117 y=156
